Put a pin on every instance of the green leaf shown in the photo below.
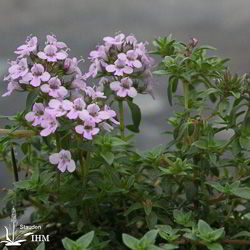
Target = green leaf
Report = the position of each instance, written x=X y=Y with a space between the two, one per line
x=31 y=98
x=201 y=144
x=69 y=244
x=214 y=246
x=41 y=246
x=241 y=234
x=129 y=241
x=136 y=117
x=116 y=142
x=243 y=192
x=204 y=228
x=86 y=239
x=216 y=185
x=150 y=236
x=133 y=207
x=170 y=246
x=160 y=72
x=108 y=157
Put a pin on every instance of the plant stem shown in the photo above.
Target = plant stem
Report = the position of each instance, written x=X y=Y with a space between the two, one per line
x=186 y=93
x=121 y=110
x=58 y=148
x=17 y=133
x=87 y=164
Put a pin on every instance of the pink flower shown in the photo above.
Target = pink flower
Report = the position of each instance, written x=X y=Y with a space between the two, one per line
x=95 y=114
x=18 y=69
x=51 y=39
x=26 y=49
x=36 y=75
x=112 y=114
x=94 y=94
x=71 y=65
x=131 y=58
x=131 y=40
x=64 y=161
x=11 y=87
x=51 y=55
x=49 y=123
x=75 y=108
x=119 y=68
x=101 y=52
x=54 y=88
x=36 y=115
x=88 y=129
x=117 y=40
x=79 y=82
x=94 y=68
x=124 y=87
x=56 y=108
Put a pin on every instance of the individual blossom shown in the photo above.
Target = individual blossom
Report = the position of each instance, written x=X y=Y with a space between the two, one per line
x=75 y=108
x=95 y=114
x=37 y=75
x=79 y=82
x=54 y=88
x=71 y=65
x=100 y=53
x=131 y=58
x=88 y=130
x=49 y=124
x=13 y=85
x=117 y=40
x=94 y=93
x=119 y=68
x=124 y=87
x=29 y=47
x=36 y=115
x=63 y=160
x=17 y=69
x=112 y=114
x=51 y=54
x=51 y=39
x=56 y=108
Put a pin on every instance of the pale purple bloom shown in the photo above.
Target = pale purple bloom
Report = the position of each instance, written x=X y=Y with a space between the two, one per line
x=75 y=108
x=18 y=69
x=71 y=64
x=54 y=88
x=79 y=82
x=117 y=40
x=112 y=114
x=124 y=87
x=51 y=39
x=94 y=94
x=119 y=68
x=56 y=108
x=11 y=87
x=26 y=49
x=95 y=114
x=87 y=130
x=36 y=115
x=37 y=75
x=51 y=55
x=94 y=68
x=64 y=161
x=106 y=126
x=131 y=40
x=101 y=52
x=131 y=58
x=49 y=123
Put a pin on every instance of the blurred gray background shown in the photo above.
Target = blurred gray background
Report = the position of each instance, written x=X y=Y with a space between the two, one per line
x=82 y=24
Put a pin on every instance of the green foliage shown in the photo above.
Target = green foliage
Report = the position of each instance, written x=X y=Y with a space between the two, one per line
x=192 y=193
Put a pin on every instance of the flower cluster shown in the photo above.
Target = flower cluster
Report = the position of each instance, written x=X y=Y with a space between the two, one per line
x=71 y=99
x=125 y=63
x=62 y=93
